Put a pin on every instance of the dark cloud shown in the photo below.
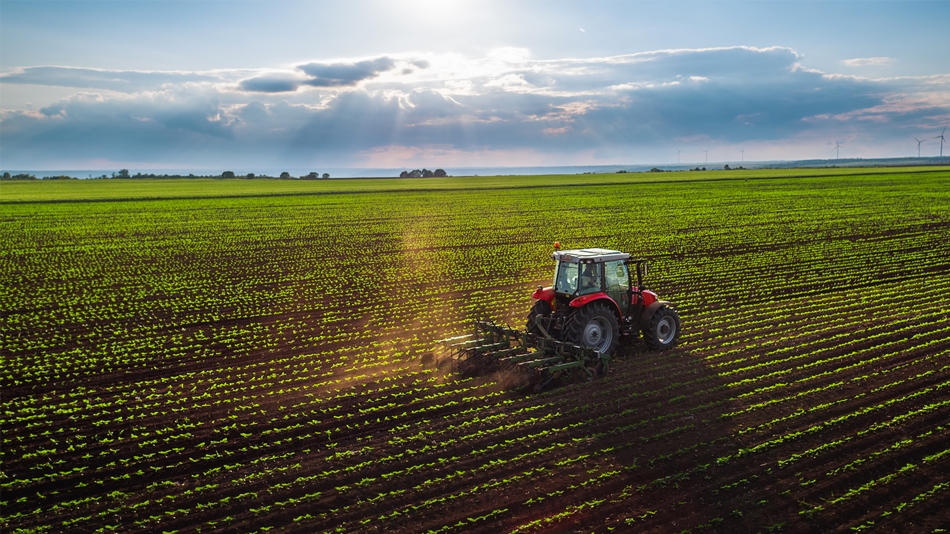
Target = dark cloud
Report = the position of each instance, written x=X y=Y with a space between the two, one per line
x=269 y=84
x=345 y=74
x=137 y=129
x=323 y=75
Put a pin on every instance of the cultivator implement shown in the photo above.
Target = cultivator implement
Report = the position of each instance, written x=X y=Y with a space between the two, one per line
x=531 y=361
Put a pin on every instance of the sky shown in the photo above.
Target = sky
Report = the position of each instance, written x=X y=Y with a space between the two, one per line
x=276 y=84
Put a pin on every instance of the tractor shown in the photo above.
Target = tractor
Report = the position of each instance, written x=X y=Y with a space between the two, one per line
x=575 y=324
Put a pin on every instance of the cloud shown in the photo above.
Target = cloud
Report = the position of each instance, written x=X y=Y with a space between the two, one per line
x=270 y=84
x=509 y=81
x=325 y=75
x=148 y=127
x=114 y=80
x=345 y=74
x=505 y=106
x=254 y=112
x=267 y=81
x=868 y=61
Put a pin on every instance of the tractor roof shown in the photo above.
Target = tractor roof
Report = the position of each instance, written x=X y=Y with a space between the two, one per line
x=587 y=255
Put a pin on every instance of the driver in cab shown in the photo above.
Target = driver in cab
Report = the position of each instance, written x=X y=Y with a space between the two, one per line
x=589 y=279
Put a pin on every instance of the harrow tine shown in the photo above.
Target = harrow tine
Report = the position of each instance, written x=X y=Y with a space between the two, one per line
x=548 y=379
x=529 y=360
x=464 y=343
x=450 y=339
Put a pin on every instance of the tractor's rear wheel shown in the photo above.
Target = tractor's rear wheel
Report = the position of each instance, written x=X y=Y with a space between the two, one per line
x=664 y=329
x=594 y=326
x=541 y=308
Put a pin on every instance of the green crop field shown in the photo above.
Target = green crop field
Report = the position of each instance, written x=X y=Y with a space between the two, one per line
x=73 y=190
x=252 y=356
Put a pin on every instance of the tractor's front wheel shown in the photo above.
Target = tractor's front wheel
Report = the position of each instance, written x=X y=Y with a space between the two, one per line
x=594 y=326
x=664 y=329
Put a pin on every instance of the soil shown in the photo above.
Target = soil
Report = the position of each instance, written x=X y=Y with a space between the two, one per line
x=666 y=442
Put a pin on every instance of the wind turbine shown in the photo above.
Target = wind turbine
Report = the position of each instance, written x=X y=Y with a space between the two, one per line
x=941 y=140
x=743 y=153
x=677 y=156
x=836 y=149
x=918 y=146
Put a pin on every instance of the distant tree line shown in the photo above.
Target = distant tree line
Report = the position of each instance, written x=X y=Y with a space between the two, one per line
x=125 y=175
x=8 y=176
x=424 y=173
x=311 y=176
x=726 y=168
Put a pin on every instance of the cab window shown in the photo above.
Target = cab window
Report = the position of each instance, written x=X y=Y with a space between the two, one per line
x=618 y=284
x=591 y=278
x=565 y=278
x=616 y=273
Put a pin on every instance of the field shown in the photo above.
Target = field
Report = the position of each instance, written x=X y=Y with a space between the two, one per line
x=246 y=357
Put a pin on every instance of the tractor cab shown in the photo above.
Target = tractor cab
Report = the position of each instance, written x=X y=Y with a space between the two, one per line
x=591 y=271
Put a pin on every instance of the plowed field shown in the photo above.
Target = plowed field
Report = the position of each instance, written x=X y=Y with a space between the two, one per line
x=264 y=361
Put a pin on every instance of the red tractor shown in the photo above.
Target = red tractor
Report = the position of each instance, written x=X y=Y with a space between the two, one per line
x=575 y=325
x=597 y=296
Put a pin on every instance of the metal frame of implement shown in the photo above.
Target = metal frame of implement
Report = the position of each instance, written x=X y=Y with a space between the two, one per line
x=541 y=358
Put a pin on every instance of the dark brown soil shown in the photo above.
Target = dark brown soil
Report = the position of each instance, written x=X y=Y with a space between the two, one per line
x=237 y=393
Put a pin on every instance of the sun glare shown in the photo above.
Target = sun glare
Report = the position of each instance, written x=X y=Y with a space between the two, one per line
x=435 y=12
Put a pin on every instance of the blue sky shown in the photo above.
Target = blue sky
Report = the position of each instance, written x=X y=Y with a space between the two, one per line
x=390 y=84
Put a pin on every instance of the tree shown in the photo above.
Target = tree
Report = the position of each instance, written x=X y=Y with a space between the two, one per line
x=415 y=174
x=726 y=168
x=439 y=173
x=250 y=176
x=124 y=173
x=426 y=173
x=285 y=175
x=227 y=174
x=403 y=174
x=326 y=175
x=7 y=176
